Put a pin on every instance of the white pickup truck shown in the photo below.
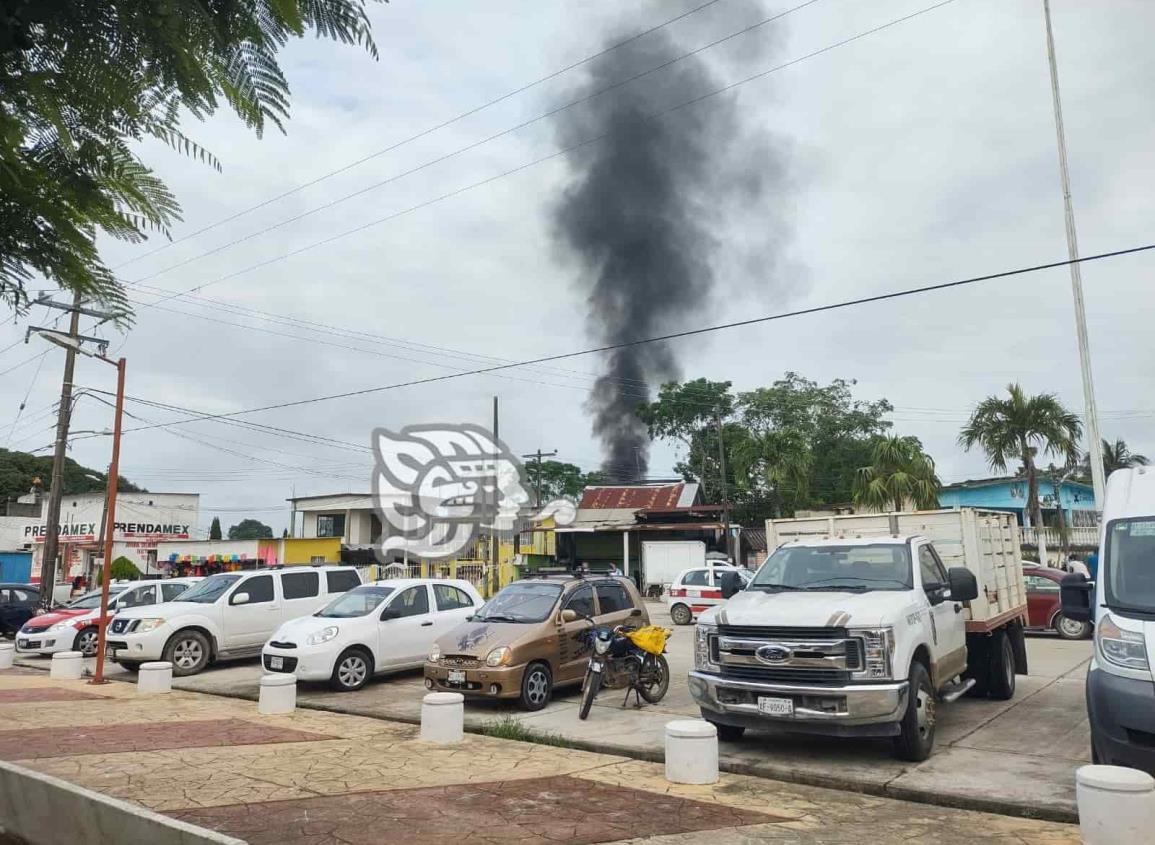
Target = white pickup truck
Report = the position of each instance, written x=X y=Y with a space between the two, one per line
x=861 y=625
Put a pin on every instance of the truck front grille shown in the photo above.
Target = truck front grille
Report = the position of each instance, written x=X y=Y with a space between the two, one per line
x=815 y=677
x=788 y=655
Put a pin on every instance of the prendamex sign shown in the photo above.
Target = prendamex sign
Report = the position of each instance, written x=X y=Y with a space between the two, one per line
x=80 y=531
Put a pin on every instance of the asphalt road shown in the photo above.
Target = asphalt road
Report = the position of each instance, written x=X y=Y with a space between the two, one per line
x=1015 y=756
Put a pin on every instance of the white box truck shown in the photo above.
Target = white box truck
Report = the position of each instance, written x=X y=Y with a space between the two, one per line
x=662 y=560
x=862 y=625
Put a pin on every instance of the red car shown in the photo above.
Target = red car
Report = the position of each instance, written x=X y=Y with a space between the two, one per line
x=1043 y=607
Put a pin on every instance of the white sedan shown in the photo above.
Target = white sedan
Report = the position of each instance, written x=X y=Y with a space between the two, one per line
x=698 y=589
x=376 y=628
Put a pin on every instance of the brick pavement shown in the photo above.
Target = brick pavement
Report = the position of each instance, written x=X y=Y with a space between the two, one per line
x=317 y=778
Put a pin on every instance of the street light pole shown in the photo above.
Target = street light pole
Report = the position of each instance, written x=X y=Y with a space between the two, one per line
x=110 y=522
x=1096 y=441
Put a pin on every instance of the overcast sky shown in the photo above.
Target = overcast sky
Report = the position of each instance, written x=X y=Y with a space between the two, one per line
x=922 y=153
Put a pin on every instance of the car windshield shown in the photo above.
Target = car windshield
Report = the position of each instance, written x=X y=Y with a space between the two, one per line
x=360 y=601
x=91 y=601
x=857 y=568
x=1130 y=572
x=523 y=601
x=210 y=589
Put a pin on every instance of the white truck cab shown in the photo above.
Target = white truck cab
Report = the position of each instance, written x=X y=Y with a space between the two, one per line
x=862 y=625
x=1120 y=601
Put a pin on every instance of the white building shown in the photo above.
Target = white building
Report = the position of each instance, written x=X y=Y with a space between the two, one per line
x=142 y=520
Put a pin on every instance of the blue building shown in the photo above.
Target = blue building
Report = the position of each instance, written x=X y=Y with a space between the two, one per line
x=1010 y=494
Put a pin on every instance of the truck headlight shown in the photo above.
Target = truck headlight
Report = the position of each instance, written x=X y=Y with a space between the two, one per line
x=499 y=657
x=703 y=660
x=322 y=636
x=877 y=652
x=1122 y=648
x=146 y=625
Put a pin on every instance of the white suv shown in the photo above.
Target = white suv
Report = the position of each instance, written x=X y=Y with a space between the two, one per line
x=224 y=617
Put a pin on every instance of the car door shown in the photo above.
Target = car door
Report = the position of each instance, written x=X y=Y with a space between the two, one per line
x=573 y=644
x=1042 y=600
x=948 y=627
x=9 y=611
x=171 y=590
x=453 y=605
x=696 y=584
x=405 y=631
x=299 y=593
x=249 y=623
x=614 y=603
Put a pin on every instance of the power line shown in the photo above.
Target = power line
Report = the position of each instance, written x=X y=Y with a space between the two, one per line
x=848 y=303
x=530 y=164
x=474 y=145
x=398 y=144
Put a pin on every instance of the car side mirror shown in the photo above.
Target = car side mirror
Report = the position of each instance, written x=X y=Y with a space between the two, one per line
x=390 y=613
x=239 y=598
x=962 y=583
x=1075 y=596
x=569 y=616
x=637 y=611
x=731 y=584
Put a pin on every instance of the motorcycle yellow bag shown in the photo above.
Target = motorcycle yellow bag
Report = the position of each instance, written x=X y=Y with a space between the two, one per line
x=651 y=638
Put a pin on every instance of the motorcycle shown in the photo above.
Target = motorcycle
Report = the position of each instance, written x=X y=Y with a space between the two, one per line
x=623 y=658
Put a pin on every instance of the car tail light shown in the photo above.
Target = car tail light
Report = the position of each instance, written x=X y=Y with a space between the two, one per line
x=677 y=592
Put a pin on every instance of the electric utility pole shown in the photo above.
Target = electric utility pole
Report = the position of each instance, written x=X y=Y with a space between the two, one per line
x=63 y=420
x=494 y=551
x=725 y=488
x=1096 y=441
x=536 y=458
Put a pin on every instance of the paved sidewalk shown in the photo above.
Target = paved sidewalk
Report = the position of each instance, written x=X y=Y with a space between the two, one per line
x=1017 y=757
x=315 y=778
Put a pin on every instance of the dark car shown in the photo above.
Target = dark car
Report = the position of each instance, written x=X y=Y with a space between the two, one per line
x=18 y=604
x=1044 y=610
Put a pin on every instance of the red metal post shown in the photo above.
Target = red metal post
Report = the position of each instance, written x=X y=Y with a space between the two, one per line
x=110 y=521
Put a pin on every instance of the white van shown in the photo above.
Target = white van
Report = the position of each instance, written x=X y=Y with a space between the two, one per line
x=224 y=617
x=1121 y=604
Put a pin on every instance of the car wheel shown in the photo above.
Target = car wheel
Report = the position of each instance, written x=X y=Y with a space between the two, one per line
x=916 y=737
x=86 y=641
x=681 y=614
x=188 y=652
x=536 y=686
x=352 y=670
x=1002 y=673
x=1071 y=629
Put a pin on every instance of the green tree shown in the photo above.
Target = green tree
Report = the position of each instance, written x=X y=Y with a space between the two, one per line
x=250 y=529
x=82 y=82
x=1018 y=427
x=1117 y=455
x=215 y=529
x=557 y=478
x=900 y=474
x=122 y=569
x=688 y=414
x=19 y=470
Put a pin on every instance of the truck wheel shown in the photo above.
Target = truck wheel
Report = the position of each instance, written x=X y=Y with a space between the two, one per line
x=188 y=652
x=1071 y=629
x=726 y=733
x=916 y=739
x=979 y=665
x=1002 y=671
x=681 y=614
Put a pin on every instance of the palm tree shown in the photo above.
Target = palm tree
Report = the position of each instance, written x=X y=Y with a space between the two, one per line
x=900 y=472
x=1117 y=455
x=1019 y=427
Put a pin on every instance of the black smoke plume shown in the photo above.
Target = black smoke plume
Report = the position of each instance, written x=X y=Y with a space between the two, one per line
x=643 y=215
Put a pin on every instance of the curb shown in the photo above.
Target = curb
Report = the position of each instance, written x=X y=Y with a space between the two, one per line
x=767 y=771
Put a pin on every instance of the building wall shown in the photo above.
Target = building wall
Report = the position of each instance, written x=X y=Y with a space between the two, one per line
x=300 y=550
x=1012 y=496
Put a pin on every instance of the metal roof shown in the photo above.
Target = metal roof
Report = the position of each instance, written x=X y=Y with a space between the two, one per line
x=662 y=496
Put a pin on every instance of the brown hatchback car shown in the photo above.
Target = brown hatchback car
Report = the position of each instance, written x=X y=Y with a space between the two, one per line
x=518 y=646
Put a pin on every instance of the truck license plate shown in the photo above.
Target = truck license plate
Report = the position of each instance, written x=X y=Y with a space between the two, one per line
x=276 y=662
x=776 y=706
x=456 y=676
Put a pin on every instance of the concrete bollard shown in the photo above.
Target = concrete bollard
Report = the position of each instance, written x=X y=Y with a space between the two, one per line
x=7 y=655
x=154 y=678
x=1115 y=804
x=67 y=666
x=691 y=751
x=278 y=694
x=443 y=717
